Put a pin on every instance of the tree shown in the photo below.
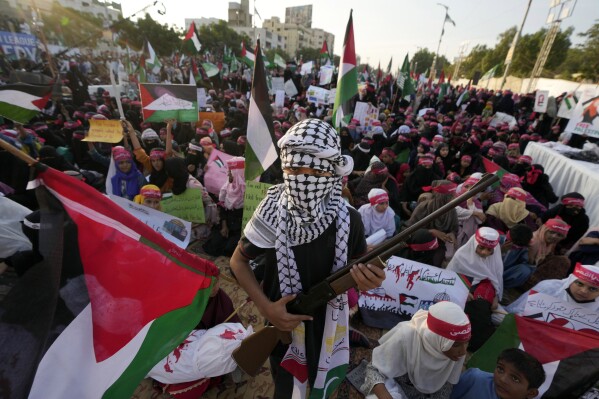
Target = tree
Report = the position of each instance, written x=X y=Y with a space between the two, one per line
x=582 y=62
x=270 y=54
x=423 y=59
x=70 y=27
x=528 y=49
x=214 y=37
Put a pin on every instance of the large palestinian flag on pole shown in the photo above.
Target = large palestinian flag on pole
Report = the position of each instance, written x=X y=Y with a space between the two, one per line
x=191 y=43
x=347 y=82
x=570 y=358
x=144 y=293
x=165 y=101
x=261 y=151
x=21 y=102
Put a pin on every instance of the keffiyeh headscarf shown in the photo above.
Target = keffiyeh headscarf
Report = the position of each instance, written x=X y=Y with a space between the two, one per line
x=297 y=212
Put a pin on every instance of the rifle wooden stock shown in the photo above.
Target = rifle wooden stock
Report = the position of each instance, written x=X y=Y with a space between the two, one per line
x=253 y=351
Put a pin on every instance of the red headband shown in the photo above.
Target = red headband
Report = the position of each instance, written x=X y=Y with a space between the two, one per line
x=425 y=161
x=236 y=164
x=517 y=194
x=525 y=159
x=425 y=246
x=381 y=171
x=446 y=188
x=484 y=242
x=447 y=330
x=573 y=201
x=466 y=158
x=151 y=193
x=558 y=226
x=586 y=275
x=377 y=199
x=157 y=153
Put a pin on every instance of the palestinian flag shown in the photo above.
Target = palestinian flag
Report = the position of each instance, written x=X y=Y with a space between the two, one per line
x=389 y=65
x=247 y=57
x=261 y=150
x=279 y=61
x=164 y=101
x=493 y=168
x=143 y=294
x=191 y=43
x=570 y=358
x=21 y=102
x=464 y=97
x=347 y=82
x=150 y=59
x=325 y=56
x=210 y=69
x=404 y=300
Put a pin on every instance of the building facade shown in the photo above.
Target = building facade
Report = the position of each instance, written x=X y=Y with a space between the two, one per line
x=298 y=36
x=268 y=39
x=239 y=14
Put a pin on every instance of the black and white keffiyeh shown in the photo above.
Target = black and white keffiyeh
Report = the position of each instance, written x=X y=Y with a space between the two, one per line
x=297 y=212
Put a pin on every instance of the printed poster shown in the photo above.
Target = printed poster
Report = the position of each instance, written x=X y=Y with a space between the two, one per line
x=187 y=206
x=585 y=117
x=541 y=99
x=365 y=113
x=161 y=102
x=177 y=231
x=217 y=172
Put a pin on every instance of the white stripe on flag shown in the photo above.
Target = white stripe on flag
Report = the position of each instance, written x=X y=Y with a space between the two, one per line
x=345 y=68
x=69 y=368
x=259 y=137
x=19 y=98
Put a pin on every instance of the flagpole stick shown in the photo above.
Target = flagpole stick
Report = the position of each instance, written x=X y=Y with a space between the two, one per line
x=19 y=154
x=117 y=95
x=248 y=300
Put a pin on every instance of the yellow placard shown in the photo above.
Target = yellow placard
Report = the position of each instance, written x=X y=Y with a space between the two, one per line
x=104 y=131
x=217 y=118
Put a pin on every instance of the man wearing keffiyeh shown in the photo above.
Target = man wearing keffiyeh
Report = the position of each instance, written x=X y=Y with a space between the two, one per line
x=306 y=231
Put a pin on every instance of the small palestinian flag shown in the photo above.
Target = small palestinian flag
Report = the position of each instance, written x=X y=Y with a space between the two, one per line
x=570 y=358
x=191 y=43
x=404 y=300
x=279 y=61
x=163 y=101
x=493 y=168
x=347 y=81
x=210 y=69
x=247 y=57
x=21 y=102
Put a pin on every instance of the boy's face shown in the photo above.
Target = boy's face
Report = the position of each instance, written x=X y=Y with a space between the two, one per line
x=510 y=383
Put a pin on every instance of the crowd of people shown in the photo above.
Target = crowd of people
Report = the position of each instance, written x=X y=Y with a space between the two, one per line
x=336 y=194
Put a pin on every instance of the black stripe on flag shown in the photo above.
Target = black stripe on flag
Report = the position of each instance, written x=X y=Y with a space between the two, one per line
x=260 y=93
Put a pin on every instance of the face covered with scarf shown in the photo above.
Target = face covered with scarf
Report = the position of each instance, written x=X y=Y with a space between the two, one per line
x=313 y=166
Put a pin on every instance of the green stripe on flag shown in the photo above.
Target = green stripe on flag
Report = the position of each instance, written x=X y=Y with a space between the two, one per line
x=16 y=113
x=254 y=167
x=505 y=337
x=164 y=335
x=181 y=115
x=334 y=378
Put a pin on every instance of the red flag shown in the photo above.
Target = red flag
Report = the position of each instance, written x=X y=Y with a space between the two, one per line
x=324 y=49
x=449 y=79
x=441 y=77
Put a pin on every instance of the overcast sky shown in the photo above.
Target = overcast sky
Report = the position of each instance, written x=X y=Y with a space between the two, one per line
x=394 y=27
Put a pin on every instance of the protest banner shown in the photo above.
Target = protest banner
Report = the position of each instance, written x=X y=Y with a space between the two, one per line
x=366 y=113
x=278 y=83
x=408 y=287
x=585 y=116
x=187 y=206
x=306 y=68
x=177 y=231
x=254 y=193
x=317 y=95
x=567 y=106
x=280 y=98
x=165 y=101
x=202 y=97
x=326 y=75
x=569 y=315
x=501 y=117
x=541 y=99
x=290 y=88
x=332 y=94
x=104 y=131
x=217 y=118
x=16 y=46
x=216 y=172
x=423 y=111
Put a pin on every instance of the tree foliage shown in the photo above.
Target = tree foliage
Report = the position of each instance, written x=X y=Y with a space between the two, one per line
x=214 y=37
x=582 y=62
x=423 y=59
x=70 y=27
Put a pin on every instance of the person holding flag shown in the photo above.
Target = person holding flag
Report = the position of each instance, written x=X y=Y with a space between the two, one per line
x=292 y=227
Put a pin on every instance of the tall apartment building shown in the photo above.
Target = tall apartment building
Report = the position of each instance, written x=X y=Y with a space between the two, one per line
x=239 y=14
x=298 y=36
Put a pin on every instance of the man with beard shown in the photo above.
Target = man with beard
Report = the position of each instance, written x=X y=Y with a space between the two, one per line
x=306 y=231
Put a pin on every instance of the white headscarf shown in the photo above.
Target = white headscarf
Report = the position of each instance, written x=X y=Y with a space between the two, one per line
x=373 y=220
x=412 y=348
x=557 y=289
x=467 y=262
x=231 y=193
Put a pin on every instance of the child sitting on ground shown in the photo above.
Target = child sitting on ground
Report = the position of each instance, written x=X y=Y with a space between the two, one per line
x=518 y=375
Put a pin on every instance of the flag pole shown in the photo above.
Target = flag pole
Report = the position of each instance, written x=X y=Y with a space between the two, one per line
x=19 y=154
x=433 y=71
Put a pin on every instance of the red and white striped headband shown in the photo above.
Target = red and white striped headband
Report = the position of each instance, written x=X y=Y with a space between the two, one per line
x=446 y=188
x=425 y=246
x=235 y=164
x=448 y=330
x=586 y=275
x=573 y=201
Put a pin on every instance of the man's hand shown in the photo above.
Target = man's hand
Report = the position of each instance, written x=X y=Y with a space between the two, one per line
x=367 y=277
x=276 y=313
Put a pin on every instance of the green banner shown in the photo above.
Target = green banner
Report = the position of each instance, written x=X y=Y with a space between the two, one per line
x=187 y=206
x=254 y=193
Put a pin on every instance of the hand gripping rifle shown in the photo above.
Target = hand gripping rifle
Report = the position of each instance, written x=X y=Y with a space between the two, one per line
x=255 y=349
